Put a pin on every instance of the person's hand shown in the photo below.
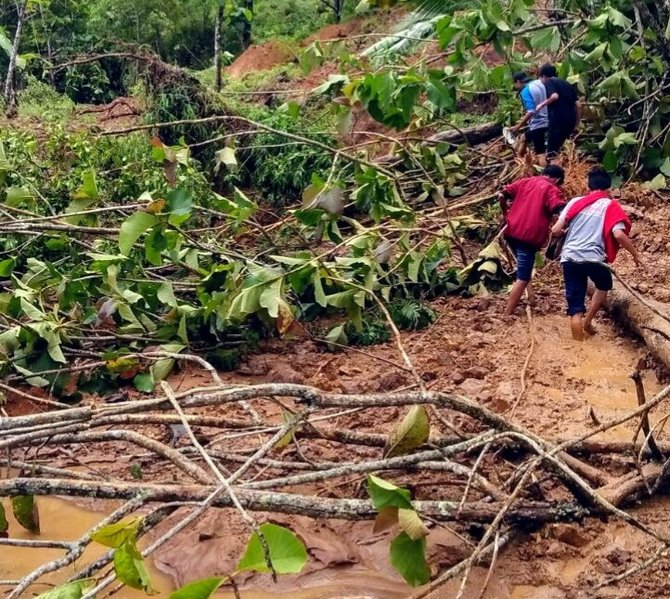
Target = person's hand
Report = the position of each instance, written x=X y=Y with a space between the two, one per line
x=514 y=128
x=641 y=264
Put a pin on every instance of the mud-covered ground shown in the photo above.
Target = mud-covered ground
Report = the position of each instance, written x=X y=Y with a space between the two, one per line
x=474 y=351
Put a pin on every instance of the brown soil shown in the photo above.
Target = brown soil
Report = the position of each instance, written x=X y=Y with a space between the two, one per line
x=471 y=350
x=260 y=58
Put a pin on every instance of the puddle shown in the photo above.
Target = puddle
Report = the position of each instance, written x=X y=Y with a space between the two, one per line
x=65 y=520
x=62 y=520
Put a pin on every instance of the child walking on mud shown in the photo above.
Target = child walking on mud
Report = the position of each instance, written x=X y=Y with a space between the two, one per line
x=529 y=205
x=595 y=227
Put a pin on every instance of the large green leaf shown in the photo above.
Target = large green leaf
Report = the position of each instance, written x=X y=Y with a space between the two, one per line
x=287 y=552
x=179 y=205
x=408 y=557
x=162 y=368
x=226 y=156
x=385 y=494
x=89 y=188
x=26 y=512
x=115 y=535
x=130 y=569
x=4 y=525
x=200 y=589
x=16 y=196
x=409 y=434
x=133 y=228
x=144 y=382
x=73 y=590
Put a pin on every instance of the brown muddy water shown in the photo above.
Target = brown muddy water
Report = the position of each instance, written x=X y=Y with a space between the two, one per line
x=65 y=520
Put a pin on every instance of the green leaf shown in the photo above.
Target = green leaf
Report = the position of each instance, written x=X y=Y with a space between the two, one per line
x=179 y=205
x=628 y=139
x=610 y=161
x=288 y=437
x=617 y=18
x=7 y=267
x=162 y=368
x=15 y=196
x=665 y=167
x=166 y=295
x=412 y=432
x=130 y=569
x=200 y=589
x=287 y=552
x=385 y=494
x=26 y=513
x=596 y=54
x=154 y=244
x=336 y=335
x=133 y=228
x=73 y=590
x=4 y=525
x=115 y=535
x=440 y=95
x=658 y=182
x=144 y=383
x=226 y=156
x=409 y=559
x=89 y=188
x=546 y=39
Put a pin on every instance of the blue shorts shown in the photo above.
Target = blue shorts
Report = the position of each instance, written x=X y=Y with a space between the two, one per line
x=525 y=259
x=577 y=275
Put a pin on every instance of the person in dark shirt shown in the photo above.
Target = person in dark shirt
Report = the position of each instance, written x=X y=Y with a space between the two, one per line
x=529 y=205
x=564 y=109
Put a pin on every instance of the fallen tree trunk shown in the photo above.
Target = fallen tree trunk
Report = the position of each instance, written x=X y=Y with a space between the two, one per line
x=471 y=135
x=522 y=513
x=643 y=320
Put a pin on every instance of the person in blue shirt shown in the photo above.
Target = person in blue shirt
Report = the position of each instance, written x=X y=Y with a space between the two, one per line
x=532 y=94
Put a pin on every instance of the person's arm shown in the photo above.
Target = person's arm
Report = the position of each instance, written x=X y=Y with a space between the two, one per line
x=522 y=122
x=624 y=241
x=502 y=199
x=507 y=195
x=550 y=100
x=559 y=227
x=529 y=106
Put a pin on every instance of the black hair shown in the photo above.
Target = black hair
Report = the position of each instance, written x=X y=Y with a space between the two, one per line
x=599 y=179
x=555 y=172
x=548 y=70
x=521 y=76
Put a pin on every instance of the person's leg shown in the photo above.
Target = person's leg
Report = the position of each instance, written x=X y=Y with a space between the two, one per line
x=597 y=302
x=540 y=146
x=554 y=143
x=515 y=296
x=575 y=278
x=601 y=276
x=522 y=145
x=525 y=260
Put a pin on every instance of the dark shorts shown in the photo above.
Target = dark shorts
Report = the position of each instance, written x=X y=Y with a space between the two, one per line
x=557 y=134
x=537 y=138
x=525 y=259
x=577 y=275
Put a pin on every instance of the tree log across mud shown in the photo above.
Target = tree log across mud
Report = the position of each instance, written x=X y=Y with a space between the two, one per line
x=644 y=319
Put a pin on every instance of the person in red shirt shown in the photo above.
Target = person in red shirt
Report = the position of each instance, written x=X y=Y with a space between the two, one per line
x=529 y=205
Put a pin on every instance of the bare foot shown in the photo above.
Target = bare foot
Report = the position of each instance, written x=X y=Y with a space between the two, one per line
x=588 y=329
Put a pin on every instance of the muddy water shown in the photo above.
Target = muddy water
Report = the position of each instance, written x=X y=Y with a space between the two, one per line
x=64 y=521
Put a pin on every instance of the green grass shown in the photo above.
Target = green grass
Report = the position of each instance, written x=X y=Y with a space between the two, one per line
x=40 y=101
x=288 y=19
